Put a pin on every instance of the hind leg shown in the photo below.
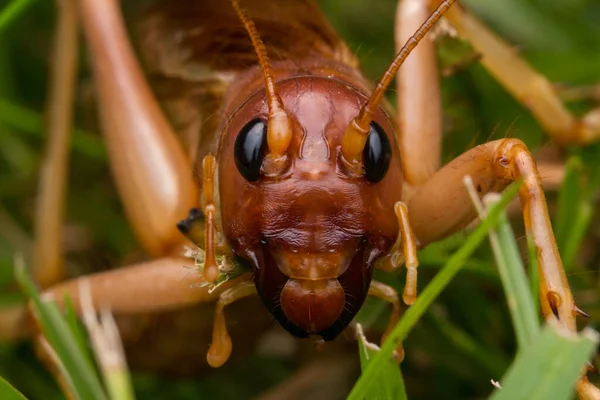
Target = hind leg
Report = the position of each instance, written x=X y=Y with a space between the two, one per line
x=152 y=172
x=528 y=86
x=419 y=109
x=48 y=260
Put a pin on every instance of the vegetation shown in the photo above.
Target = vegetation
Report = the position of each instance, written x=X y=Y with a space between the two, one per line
x=461 y=334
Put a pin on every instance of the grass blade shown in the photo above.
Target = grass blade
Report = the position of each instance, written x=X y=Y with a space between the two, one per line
x=84 y=382
x=7 y=392
x=568 y=200
x=534 y=275
x=576 y=202
x=511 y=269
x=12 y=12
x=494 y=362
x=574 y=211
x=514 y=281
x=429 y=294
x=32 y=123
x=108 y=348
x=76 y=328
x=549 y=368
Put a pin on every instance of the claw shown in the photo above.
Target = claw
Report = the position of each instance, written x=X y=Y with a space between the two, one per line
x=399 y=353
x=580 y=312
x=592 y=368
x=554 y=302
x=319 y=344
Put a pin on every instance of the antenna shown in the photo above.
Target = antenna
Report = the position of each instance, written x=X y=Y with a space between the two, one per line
x=355 y=137
x=279 y=131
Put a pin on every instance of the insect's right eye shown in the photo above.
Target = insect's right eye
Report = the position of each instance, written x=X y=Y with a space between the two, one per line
x=249 y=150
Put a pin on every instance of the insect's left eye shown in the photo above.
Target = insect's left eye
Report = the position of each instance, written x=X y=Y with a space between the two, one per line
x=249 y=150
x=376 y=154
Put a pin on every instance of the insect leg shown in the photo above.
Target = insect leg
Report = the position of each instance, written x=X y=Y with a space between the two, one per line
x=48 y=263
x=159 y=285
x=156 y=285
x=404 y=251
x=527 y=85
x=46 y=354
x=220 y=348
x=153 y=174
x=389 y=294
x=442 y=206
x=419 y=109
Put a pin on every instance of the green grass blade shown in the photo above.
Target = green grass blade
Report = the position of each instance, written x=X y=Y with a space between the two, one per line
x=83 y=381
x=11 y=12
x=534 y=275
x=119 y=385
x=494 y=362
x=568 y=200
x=572 y=214
x=549 y=368
x=79 y=334
x=576 y=202
x=390 y=383
x=514 y=280
x=31 y=122
x=427 y=297
x=578 y=230
x=108 y=348
x=7 y=392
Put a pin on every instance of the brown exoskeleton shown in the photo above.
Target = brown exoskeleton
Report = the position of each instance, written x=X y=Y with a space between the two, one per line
x=305 y=175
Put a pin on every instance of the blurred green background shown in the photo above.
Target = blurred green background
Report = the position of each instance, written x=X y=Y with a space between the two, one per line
x=464 y=340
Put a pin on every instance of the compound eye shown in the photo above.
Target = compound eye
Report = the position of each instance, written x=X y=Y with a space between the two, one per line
x=249 y=150
x=376 y=154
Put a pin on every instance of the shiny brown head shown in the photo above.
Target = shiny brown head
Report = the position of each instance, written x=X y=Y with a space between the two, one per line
x=313 y=230
x=309 y=172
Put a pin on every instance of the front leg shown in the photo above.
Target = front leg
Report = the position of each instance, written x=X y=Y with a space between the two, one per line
x=404 y=251
x=389 y=294
x=442 y=206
